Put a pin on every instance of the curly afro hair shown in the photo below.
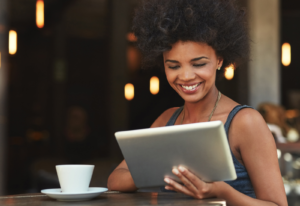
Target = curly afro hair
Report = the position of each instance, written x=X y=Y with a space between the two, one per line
x=158 y=24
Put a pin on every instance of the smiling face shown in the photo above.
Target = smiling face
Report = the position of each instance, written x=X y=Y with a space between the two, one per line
x=190 y=69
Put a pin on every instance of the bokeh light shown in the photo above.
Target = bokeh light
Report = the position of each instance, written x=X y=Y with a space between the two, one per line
x=229 y=72
x=131 y=37
x=278 y=153
x=286 y=54
x=154 y=85
x=129 y=91
x=288 y=157
x=40 y=13
x=12 y=42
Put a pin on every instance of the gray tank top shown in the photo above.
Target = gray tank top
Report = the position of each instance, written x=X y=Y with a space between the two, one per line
x=242 y=183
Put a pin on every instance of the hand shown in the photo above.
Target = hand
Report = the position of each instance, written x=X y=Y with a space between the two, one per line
x=193 y=186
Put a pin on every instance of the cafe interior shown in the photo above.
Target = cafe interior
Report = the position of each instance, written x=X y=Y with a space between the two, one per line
x=71 y=76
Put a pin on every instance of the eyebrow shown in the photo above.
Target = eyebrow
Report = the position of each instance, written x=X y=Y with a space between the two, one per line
x=198 y=58
x=195 y=59
x=172 y=61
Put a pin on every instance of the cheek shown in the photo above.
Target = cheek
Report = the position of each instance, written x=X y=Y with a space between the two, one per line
x=211 y=75
x=205 y=74
x=170 y=75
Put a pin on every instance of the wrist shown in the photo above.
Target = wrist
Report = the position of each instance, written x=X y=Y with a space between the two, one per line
x=217 y=189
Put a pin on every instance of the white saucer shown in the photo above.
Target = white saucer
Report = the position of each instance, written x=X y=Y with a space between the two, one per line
x=78 y=196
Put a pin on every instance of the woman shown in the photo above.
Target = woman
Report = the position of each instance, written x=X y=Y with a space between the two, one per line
x=191 y=40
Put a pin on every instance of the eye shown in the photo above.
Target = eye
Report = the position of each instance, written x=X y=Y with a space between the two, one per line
x=174 y=67
x=199 y=65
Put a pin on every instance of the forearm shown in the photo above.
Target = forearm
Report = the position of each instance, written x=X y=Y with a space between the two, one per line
x=236 y=198
x=121 y=180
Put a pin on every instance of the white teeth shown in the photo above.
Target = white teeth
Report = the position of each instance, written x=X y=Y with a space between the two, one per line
x=190 y=87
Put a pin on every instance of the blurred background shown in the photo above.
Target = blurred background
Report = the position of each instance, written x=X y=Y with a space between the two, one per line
x=70 y=76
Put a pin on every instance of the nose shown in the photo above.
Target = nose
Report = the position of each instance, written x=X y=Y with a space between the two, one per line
x=187 y=74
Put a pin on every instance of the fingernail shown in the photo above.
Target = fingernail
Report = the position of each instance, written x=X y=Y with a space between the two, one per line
x=167 y=180
x=182 y=169
x=175 y=171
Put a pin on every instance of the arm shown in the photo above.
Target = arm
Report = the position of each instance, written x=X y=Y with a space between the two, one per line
x=254 y=141
x=120 y=179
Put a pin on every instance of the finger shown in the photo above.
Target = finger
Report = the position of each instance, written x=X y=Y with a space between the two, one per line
x=178 y=187
x=188 y=184
x=168 y=187
x=197 y=182
x=171 y=188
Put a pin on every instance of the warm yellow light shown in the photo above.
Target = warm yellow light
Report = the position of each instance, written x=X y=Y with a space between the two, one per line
x=40 y=13
x=286 y=54
x=154 y=85
x=229 y=72
x=12 y=42
x=129 y=91
x=131 y=37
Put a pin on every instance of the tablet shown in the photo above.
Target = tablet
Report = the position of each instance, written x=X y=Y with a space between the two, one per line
x=152 y=153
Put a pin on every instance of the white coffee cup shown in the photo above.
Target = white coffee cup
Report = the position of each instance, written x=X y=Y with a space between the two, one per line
x=74 y=178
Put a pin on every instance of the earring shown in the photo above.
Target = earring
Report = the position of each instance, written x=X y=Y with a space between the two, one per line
x=219 y=68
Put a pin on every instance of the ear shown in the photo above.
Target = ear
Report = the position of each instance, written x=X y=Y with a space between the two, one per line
x=220 y=61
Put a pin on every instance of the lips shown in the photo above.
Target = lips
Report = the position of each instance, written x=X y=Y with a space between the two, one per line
x=190 y=88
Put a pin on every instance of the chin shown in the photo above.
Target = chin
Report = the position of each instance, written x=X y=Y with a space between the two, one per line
x=192 y=99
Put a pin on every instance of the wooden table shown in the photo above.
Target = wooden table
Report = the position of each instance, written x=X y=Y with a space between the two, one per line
x=112 y=198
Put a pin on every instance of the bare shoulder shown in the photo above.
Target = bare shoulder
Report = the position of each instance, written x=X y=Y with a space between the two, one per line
x=248 y=118
x=249 y=126
x=163 y=119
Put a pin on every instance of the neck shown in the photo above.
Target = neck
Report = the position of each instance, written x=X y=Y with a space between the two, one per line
x=200 y=111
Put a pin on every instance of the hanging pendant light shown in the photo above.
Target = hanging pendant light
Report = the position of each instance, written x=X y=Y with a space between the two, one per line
x=154 y=85
x=40 y=13
x=286 y=54
x=12 y=42
x=129 y=91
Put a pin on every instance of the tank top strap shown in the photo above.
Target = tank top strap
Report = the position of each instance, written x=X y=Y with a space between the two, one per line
x=174 y=117
x=232 y=115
